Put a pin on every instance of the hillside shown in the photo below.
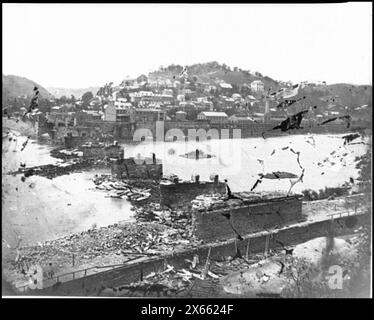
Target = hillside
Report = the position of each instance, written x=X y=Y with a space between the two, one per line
x=15 y=87
x=339 y=97
x=67 y=92
x=355 y=100
x=211 y=72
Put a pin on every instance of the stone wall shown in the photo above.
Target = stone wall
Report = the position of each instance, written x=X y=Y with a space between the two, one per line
x=73 y=141
x=129 y=169
x=219 y=224
x=101 y=152
x=125 y=130
x=92 y=284
x=179 y=195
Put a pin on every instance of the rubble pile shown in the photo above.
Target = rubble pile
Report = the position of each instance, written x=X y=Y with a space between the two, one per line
x=145 y=198
x=126 y=239
x=173 y=282
x=66 y=154
x=120 y=189
x=210 y=202
x=168 y=283
x=176 y=219
x=51 y=171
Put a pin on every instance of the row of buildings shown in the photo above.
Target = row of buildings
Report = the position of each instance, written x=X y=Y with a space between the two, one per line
x=150 y=99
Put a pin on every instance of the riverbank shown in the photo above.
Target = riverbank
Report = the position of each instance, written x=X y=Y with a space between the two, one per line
x=123 y=242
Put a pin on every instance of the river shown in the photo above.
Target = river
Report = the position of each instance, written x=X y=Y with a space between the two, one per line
x=240 y=161
x=40 y=209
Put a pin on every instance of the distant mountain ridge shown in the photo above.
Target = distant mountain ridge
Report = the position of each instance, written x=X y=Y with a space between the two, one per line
x=16 y=86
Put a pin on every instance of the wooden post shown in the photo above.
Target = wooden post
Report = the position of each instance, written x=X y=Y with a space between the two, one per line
x=247 y=251
x=332 y=227
x=165 y=265
x=127 y=171
x=207 y=262
x=73 y=259
x=267 y=245
x=141 y=271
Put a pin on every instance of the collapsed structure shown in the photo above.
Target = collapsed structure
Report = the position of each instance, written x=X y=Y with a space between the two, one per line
x=218 y=219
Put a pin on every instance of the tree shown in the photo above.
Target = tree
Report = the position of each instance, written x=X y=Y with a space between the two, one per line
x=63 y=99
x=230 y=111
x=87 y=96
x=191 y=114
x=235 y=87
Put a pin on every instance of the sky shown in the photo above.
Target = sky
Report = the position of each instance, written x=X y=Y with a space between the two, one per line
x=82 y=45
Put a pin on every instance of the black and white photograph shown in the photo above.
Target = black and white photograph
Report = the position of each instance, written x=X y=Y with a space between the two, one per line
x=177 y=151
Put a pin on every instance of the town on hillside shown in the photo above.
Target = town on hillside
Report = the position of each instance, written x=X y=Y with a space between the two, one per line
x=199 y=96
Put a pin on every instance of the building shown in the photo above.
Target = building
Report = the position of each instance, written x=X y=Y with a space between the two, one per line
x=209 y=88
x=180 y=115
x=240 y=120
x=146 y=96
x=87 y=115
x=122 y=103
x=142 y=78
x=187 y=105
x=149 y=115
x=166 y=99
x=213 y=117
x=181 y=98
x=117 y=113
x=225 y=85
x=61 y=115
x=236 y=96
x=204 y=105
x=168 y=92
x=257 y=86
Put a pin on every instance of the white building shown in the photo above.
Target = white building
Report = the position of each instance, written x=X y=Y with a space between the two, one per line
x=257 y=86
x=236 y=96
x=181 y=97
x=214 y=117
x=225 y=85
x=180 y=115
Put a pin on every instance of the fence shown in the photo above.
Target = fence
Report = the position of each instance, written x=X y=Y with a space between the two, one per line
x=82 y=272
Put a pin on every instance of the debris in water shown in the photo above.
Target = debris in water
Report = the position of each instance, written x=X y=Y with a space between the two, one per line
x=25 y=143
x=257 y=182
x=350 y=137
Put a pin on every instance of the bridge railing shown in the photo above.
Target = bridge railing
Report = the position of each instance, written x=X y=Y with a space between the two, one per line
x=82 y=272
